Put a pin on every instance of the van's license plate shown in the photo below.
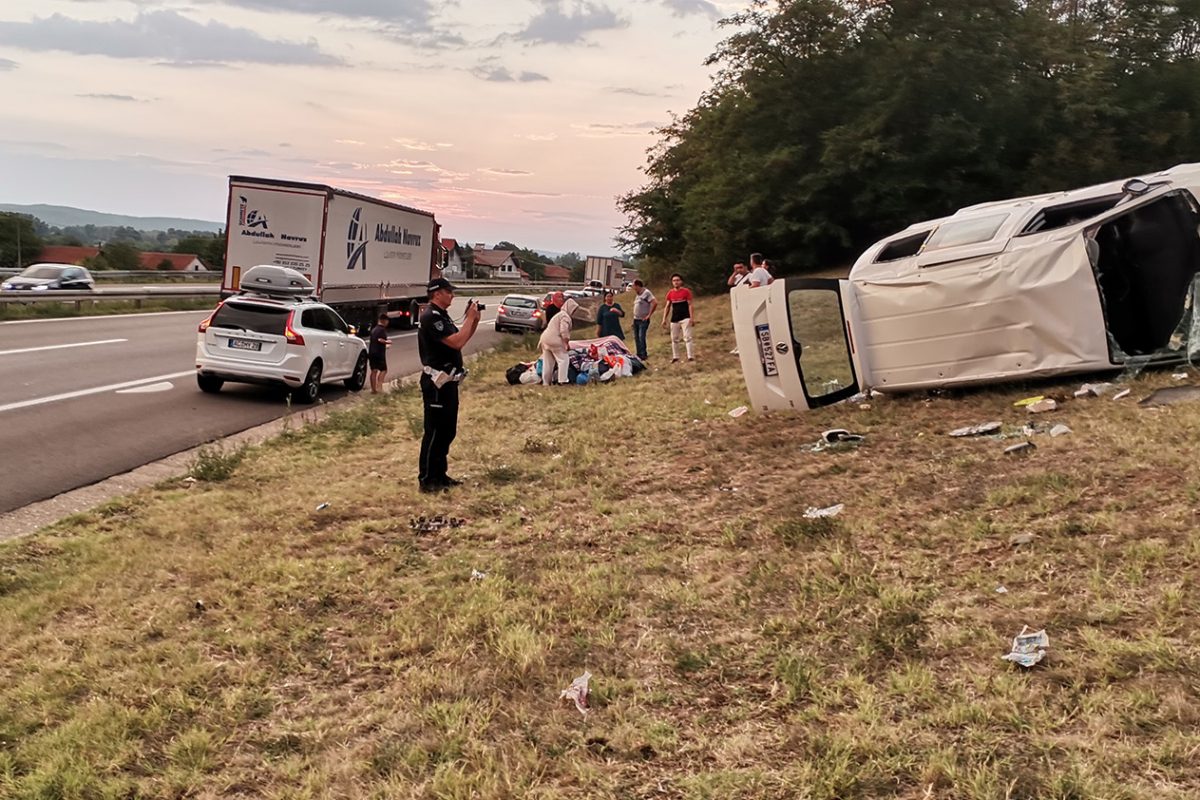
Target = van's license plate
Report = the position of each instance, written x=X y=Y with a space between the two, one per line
x=766 y=353
x=244 y=344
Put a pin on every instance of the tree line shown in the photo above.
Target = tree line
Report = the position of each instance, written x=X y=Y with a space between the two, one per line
x=22 y=238
x=832 y=123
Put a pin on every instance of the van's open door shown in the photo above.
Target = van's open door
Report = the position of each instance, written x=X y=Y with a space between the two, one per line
x=796 y=348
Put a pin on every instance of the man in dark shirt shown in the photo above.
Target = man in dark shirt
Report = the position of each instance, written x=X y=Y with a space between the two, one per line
x=440 y=344
x=377 y=353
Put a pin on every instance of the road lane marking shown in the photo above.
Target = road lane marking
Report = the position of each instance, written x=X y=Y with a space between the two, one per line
x=38 y=401
x=165 y=386
x=59 y=346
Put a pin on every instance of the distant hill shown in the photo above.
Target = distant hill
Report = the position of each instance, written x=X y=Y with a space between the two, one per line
x=68 y=217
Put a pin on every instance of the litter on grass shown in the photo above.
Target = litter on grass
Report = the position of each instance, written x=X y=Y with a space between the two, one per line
x=1060 y=430
x=1094 y=389
x=578 y=692
x=813 y=512
x=1018 y=539
x=1001 y=590
x=476 y=575
x=982 y=429
x=739 y=411
x=1121 y=394
x=1180 y=376
x=432 y=524
x=837 y=438
x=1028 y=401
x=1020 y=448
x=322 y=506
x=1028 y=648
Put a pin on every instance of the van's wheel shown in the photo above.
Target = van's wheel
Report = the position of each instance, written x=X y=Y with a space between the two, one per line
x=311 y=388
x=358 y=379
x=209 y=383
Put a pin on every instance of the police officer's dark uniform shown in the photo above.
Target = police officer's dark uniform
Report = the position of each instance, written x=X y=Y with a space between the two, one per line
x=441 y=403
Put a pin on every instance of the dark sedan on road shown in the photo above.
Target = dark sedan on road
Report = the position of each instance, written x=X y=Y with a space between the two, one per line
x=43 y=277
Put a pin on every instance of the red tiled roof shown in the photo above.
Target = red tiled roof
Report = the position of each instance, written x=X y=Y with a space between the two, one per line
x=179 y=261
x=66 y=254
x=491 y=258
x=554 y=272
x=449 y=244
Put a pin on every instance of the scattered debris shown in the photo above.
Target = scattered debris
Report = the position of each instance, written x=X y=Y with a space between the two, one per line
x=1180 y=376
x=1042 y=406
x=1172 y=395
x=1121 y=394
x=838 y=438
x=727 y=488
x=817 y=513
x=1028 y=401
x=578 y=692
x=739 y=411
x=1001 y=590
x=476 y=575
x=981 y=429
x=322 y=506
x=707 y=402
x=1020 y=448
x=1028 y=648
x=433 y=524
x=1094 y=389
x=1060 y=430
x=199 y=606
x=861 y=397
x=1018 y=539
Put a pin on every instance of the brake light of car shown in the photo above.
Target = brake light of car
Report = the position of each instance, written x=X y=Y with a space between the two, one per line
x=208 y=320
x=537 y=313
x=289 y=332
x=501 y=310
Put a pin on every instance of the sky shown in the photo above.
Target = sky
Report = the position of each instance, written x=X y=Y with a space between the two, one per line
x=518 y=120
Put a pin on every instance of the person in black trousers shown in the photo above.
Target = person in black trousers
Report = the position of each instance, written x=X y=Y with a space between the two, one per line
x=440 y=343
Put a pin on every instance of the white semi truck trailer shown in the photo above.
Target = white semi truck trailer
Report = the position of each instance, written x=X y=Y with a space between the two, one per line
x=363 y=255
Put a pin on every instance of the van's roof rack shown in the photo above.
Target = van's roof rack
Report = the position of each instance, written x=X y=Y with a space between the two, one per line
x=279 y=283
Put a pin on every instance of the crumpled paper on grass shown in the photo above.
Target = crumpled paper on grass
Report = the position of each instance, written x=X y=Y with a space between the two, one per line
x=817 y=513
x=1028 y=648
x=578 y=692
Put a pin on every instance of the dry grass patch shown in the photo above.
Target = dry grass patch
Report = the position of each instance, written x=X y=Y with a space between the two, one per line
x=232 y=640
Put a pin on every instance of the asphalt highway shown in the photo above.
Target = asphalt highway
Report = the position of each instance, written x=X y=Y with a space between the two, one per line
x=85 y=398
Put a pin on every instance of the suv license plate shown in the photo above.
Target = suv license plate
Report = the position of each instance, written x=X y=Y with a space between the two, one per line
x=244 y=344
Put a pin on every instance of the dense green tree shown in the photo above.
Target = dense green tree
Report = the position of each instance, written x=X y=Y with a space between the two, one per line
x=117 y=255
x=209 y=247
x=570 y=260
x=19 y=240
x=831 y=123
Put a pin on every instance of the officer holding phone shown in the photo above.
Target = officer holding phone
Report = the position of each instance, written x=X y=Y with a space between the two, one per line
x=440 y=344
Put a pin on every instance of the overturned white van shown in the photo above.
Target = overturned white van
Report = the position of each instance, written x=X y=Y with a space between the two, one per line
x=1072 y=282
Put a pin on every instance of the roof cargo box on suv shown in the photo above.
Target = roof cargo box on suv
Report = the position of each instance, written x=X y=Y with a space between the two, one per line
x=276 y=281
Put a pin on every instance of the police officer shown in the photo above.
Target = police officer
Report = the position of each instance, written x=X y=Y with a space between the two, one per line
x=440 y=344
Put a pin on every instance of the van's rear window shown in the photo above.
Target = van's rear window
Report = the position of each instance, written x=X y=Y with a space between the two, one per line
x=260 y=319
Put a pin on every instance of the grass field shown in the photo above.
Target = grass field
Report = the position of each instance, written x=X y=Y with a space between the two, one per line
x=221 y=637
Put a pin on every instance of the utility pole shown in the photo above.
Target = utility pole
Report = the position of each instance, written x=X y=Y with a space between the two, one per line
x=17 y=220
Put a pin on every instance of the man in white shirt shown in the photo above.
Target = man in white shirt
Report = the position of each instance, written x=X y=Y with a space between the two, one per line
x=758 y=273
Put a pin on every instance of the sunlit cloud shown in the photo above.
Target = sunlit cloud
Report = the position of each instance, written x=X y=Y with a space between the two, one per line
x=607 y=130
x=413 y=144
x=505 y=173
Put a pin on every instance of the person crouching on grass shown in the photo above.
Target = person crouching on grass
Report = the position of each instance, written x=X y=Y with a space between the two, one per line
x=377 y=353
x=679 y=308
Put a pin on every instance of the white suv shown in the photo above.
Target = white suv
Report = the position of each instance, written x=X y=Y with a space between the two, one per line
x=276 y=339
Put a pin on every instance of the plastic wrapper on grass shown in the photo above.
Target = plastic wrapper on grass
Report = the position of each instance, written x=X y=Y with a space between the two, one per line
x=1028 y=648
x=578 y=692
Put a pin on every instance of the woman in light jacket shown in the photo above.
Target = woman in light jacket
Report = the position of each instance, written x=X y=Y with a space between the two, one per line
x=554 y=342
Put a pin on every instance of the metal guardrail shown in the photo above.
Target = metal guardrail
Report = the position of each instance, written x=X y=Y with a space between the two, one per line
x=214 y=290
x=138 y=274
